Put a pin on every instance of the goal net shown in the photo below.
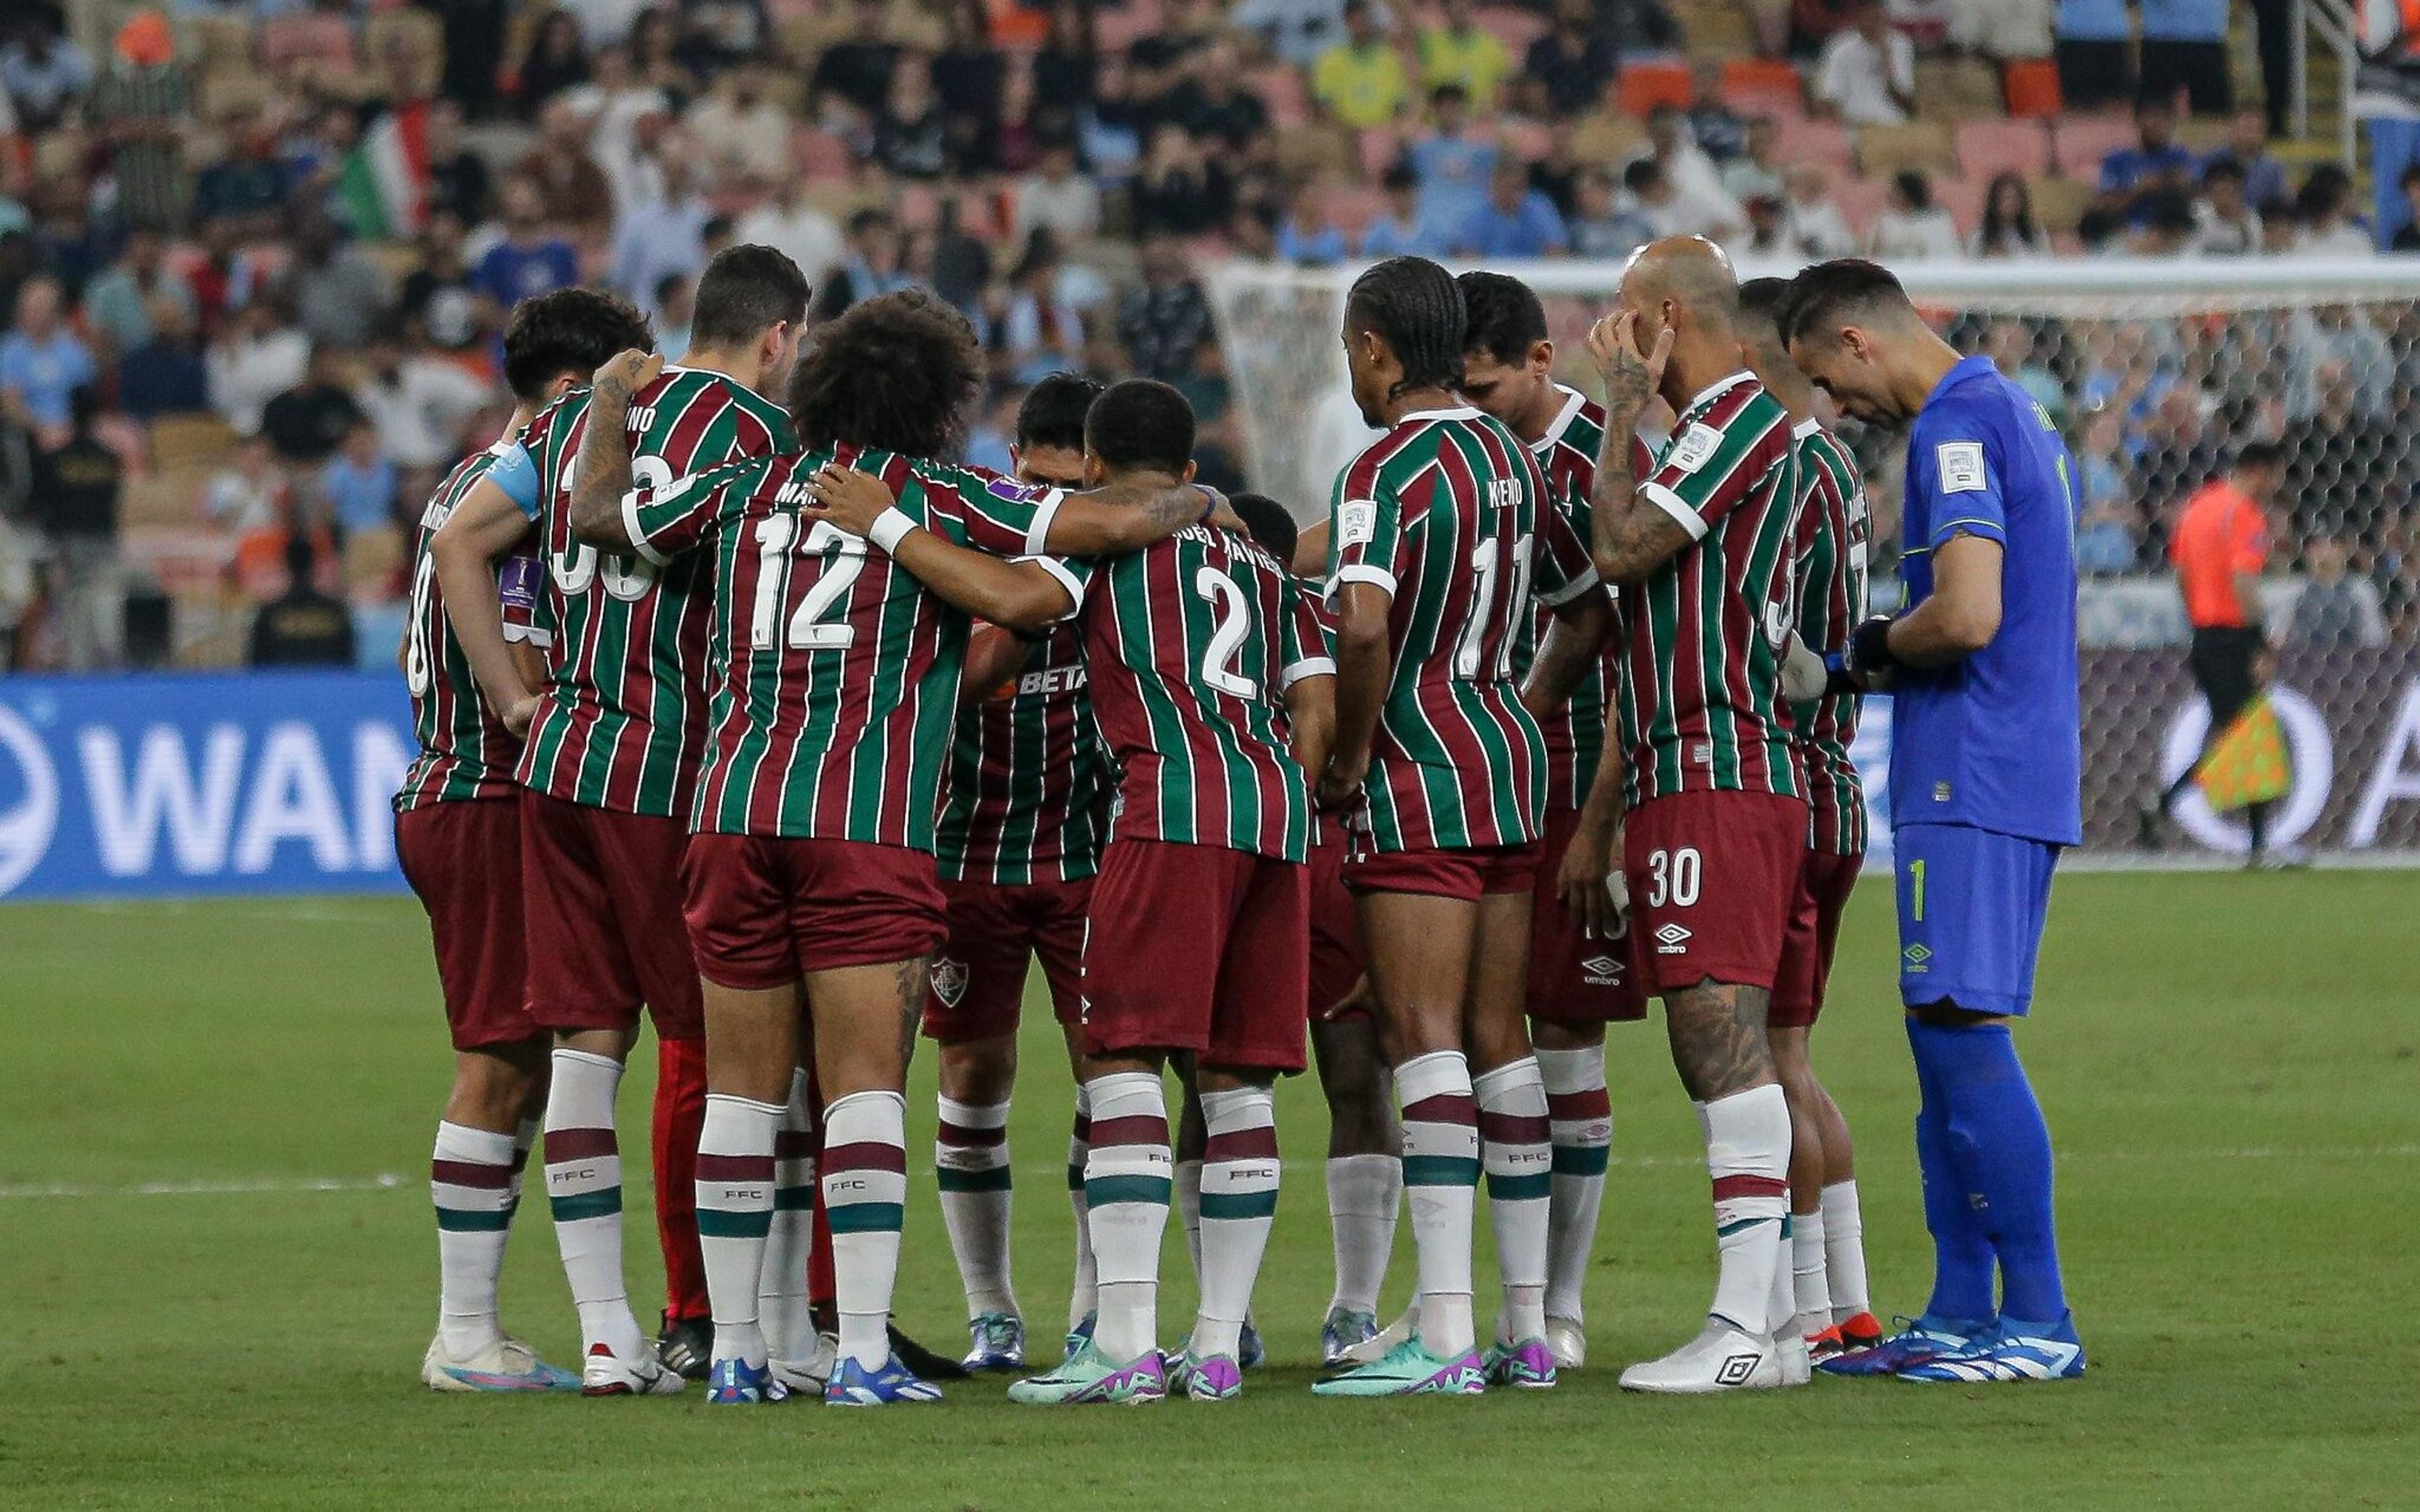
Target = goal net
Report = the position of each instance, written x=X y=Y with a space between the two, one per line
x=2156 y=372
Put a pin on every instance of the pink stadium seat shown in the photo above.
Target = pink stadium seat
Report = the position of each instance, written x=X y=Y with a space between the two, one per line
x=1355 y=209
x=1963 y=198
x=1825 y=144
x=1860 y=200
x=1282 y=90
x=2078 y=142
x=822 y=155
x=1379 y=146
x=1988 y=148
x=1516 y=27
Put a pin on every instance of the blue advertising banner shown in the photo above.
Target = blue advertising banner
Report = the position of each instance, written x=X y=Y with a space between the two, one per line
x=159 y=785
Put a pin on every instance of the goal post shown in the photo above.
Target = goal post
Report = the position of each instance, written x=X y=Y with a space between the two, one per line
x=2156 y=371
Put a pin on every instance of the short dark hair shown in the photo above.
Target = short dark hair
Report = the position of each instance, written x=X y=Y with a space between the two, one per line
x=570 y=331
x=1416 y=307
x=1267 y=523
x=1054 y=409
x=2259 y=455
x=1444 y=92
x=1502 y=316
x=1766 y=300
x=1821 y=295
x=894 y=372
x=1141 y=423
x=2222 y=168
x=744 y=291
x=1641 y=173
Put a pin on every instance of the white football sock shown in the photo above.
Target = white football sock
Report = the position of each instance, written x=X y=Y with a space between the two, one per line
x=782 y=1312
x=1238 y=1201
x=970 y=1162
x=1810 y=1294
x=1844 y=1251
x=1519 y=1160
x=1580 y=1122
x=1084 y=1297
x=1440 y=1181
x=1189 y=1210
x=1780 y=1304
x=471 y=1178
x=1128 y=1174
x=1747 y=1154
x=583 y=1187
x=734 y=1214
x=1364 y=1194
x=865 y=1200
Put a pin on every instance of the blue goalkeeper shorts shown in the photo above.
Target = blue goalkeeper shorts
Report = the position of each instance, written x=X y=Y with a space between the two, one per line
x=1972 y=903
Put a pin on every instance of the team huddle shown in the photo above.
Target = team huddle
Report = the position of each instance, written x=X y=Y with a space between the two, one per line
x=767 y=720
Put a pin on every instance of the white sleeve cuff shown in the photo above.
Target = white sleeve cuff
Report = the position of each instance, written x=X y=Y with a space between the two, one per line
x=1037 y=536
x=632 y=528
x=1362 y=572
x=1676 y=506
x=1064 y=579
x=527 y=634
x=1308 y=667
x=1581 y=584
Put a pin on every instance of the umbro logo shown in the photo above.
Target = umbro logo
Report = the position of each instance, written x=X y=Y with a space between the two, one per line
x=1915 y=957
x=1735 y=1369
x=1671 y=939
x=1602 y=971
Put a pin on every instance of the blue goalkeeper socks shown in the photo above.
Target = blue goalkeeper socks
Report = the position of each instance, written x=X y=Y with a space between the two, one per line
x=1994 y=1169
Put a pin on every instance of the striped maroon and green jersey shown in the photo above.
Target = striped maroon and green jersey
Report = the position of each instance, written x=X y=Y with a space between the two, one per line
x=833 y=672
x=1193 y=643
x=623 y=722
x=1575 y=734
x=1831 y=583
x=1700 y=702
x=1029 y=782
x=465 y=750
x=1446 y=513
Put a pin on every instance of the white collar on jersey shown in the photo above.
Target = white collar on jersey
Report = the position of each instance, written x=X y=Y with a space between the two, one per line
x=1718 y=388
x=1573 y=399
x=1808 y=426
x=1460 y=411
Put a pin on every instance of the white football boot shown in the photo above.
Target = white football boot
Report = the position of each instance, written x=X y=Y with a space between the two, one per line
x=603 y=1373
x=1567 y=1341
x=1721 y=1358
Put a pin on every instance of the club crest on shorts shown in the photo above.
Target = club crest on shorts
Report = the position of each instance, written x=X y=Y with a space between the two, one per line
x=949 y=981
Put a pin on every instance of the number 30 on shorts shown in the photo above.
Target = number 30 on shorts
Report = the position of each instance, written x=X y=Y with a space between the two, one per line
x=1673 y=876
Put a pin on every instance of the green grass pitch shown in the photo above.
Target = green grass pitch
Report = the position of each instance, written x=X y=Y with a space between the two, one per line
x=214 y=1303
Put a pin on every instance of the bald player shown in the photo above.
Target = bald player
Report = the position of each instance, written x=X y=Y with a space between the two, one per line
x=1701 y=549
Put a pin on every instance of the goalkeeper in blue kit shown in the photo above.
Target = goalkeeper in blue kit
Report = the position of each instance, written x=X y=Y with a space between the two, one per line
x=1986 y=759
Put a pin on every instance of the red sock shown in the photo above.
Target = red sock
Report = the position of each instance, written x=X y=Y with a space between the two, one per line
x=821 y=1289
x=681 y=1115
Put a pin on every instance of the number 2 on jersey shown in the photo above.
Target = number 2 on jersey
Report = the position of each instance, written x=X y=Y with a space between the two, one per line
x=1225 y=651
x=807 y=631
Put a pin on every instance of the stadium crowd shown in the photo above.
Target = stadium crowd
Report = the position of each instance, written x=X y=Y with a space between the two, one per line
x=254 y=257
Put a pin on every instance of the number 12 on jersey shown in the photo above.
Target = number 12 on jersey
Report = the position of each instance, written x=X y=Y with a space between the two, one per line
x=808 y=629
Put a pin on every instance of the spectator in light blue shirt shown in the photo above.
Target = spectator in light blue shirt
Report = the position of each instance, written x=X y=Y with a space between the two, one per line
x=1517 y=221
x=663 y=237
x=42 y=365
x=2247 y=147
x=1309 y=235
x=1451 y=166
x=358 y=483
x=1400 y=232
x=43 y=72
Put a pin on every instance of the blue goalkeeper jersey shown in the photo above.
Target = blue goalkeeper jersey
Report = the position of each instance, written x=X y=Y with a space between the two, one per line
x=1993 y=740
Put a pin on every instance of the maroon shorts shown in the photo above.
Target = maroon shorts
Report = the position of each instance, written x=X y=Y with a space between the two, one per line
x=464 y=860
x=1713 y=876
x=1336 y=965
x=1824 y=882
x=1199 y=948
x=763 y=911
x=994 y=932
x=1575 y=979
x=603 y=910
x=1468 y=875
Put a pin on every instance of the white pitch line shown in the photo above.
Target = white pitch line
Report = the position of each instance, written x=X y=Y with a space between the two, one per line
x=388 y=1181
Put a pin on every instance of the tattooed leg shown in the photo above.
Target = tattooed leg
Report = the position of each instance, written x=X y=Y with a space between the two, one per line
x=1718 y=1045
